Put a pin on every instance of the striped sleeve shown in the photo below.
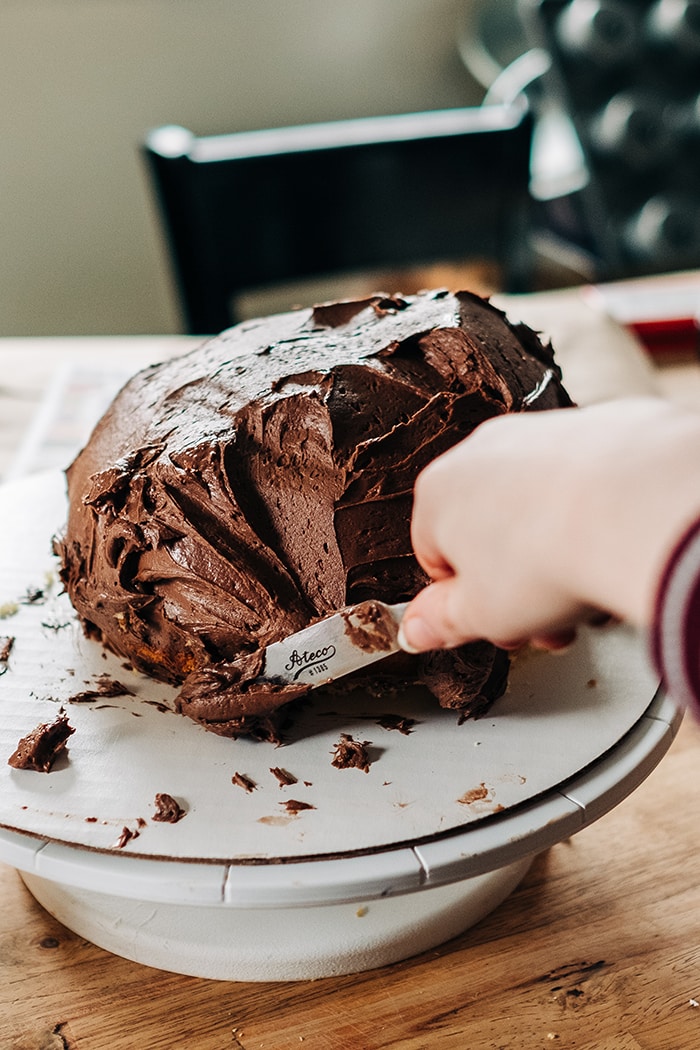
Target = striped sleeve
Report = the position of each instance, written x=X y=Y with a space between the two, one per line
x=675 y=634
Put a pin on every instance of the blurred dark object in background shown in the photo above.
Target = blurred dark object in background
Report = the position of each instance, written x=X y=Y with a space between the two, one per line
x=626 y=73
x=286 y=209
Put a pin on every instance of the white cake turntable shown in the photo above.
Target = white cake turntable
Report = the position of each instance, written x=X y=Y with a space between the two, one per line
x=336 y=871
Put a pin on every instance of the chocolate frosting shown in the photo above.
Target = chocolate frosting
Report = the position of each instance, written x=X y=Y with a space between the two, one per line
x=40 y=748
x=232 y=495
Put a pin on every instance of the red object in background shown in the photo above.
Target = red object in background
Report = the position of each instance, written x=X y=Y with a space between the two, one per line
x=663 y=312
x=671 y=334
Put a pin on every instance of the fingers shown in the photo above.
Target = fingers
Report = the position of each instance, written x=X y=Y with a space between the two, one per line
x=435 y=620
x=587 y=541
x=428 y=623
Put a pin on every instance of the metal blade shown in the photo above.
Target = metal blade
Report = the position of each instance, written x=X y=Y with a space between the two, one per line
x=353 y=637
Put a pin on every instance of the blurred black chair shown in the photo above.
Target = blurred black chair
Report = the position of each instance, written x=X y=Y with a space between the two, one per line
x=260 y=208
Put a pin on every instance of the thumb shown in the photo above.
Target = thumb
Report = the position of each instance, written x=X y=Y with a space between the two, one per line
x=429 y=621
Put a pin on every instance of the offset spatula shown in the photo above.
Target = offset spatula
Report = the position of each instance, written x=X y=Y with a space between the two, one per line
x=353 y=637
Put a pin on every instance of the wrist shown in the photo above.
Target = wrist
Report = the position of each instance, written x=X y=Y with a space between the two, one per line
x=675 y=630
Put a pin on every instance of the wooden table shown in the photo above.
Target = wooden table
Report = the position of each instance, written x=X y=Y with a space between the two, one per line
x=598 y=949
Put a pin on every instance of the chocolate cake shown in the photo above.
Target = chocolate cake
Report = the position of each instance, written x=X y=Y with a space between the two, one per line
x=231 y=496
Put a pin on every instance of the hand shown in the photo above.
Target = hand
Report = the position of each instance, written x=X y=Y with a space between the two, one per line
x=541 y=521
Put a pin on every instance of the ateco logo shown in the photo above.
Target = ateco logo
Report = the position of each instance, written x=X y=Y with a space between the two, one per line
x=313 y=663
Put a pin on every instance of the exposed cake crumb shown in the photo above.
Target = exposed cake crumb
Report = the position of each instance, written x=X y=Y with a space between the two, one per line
x=283 y=776
x=351 y=754
x=168 y=809
x=240 y=780
x=477 y=794
x=8 y=609
x=40 y=748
